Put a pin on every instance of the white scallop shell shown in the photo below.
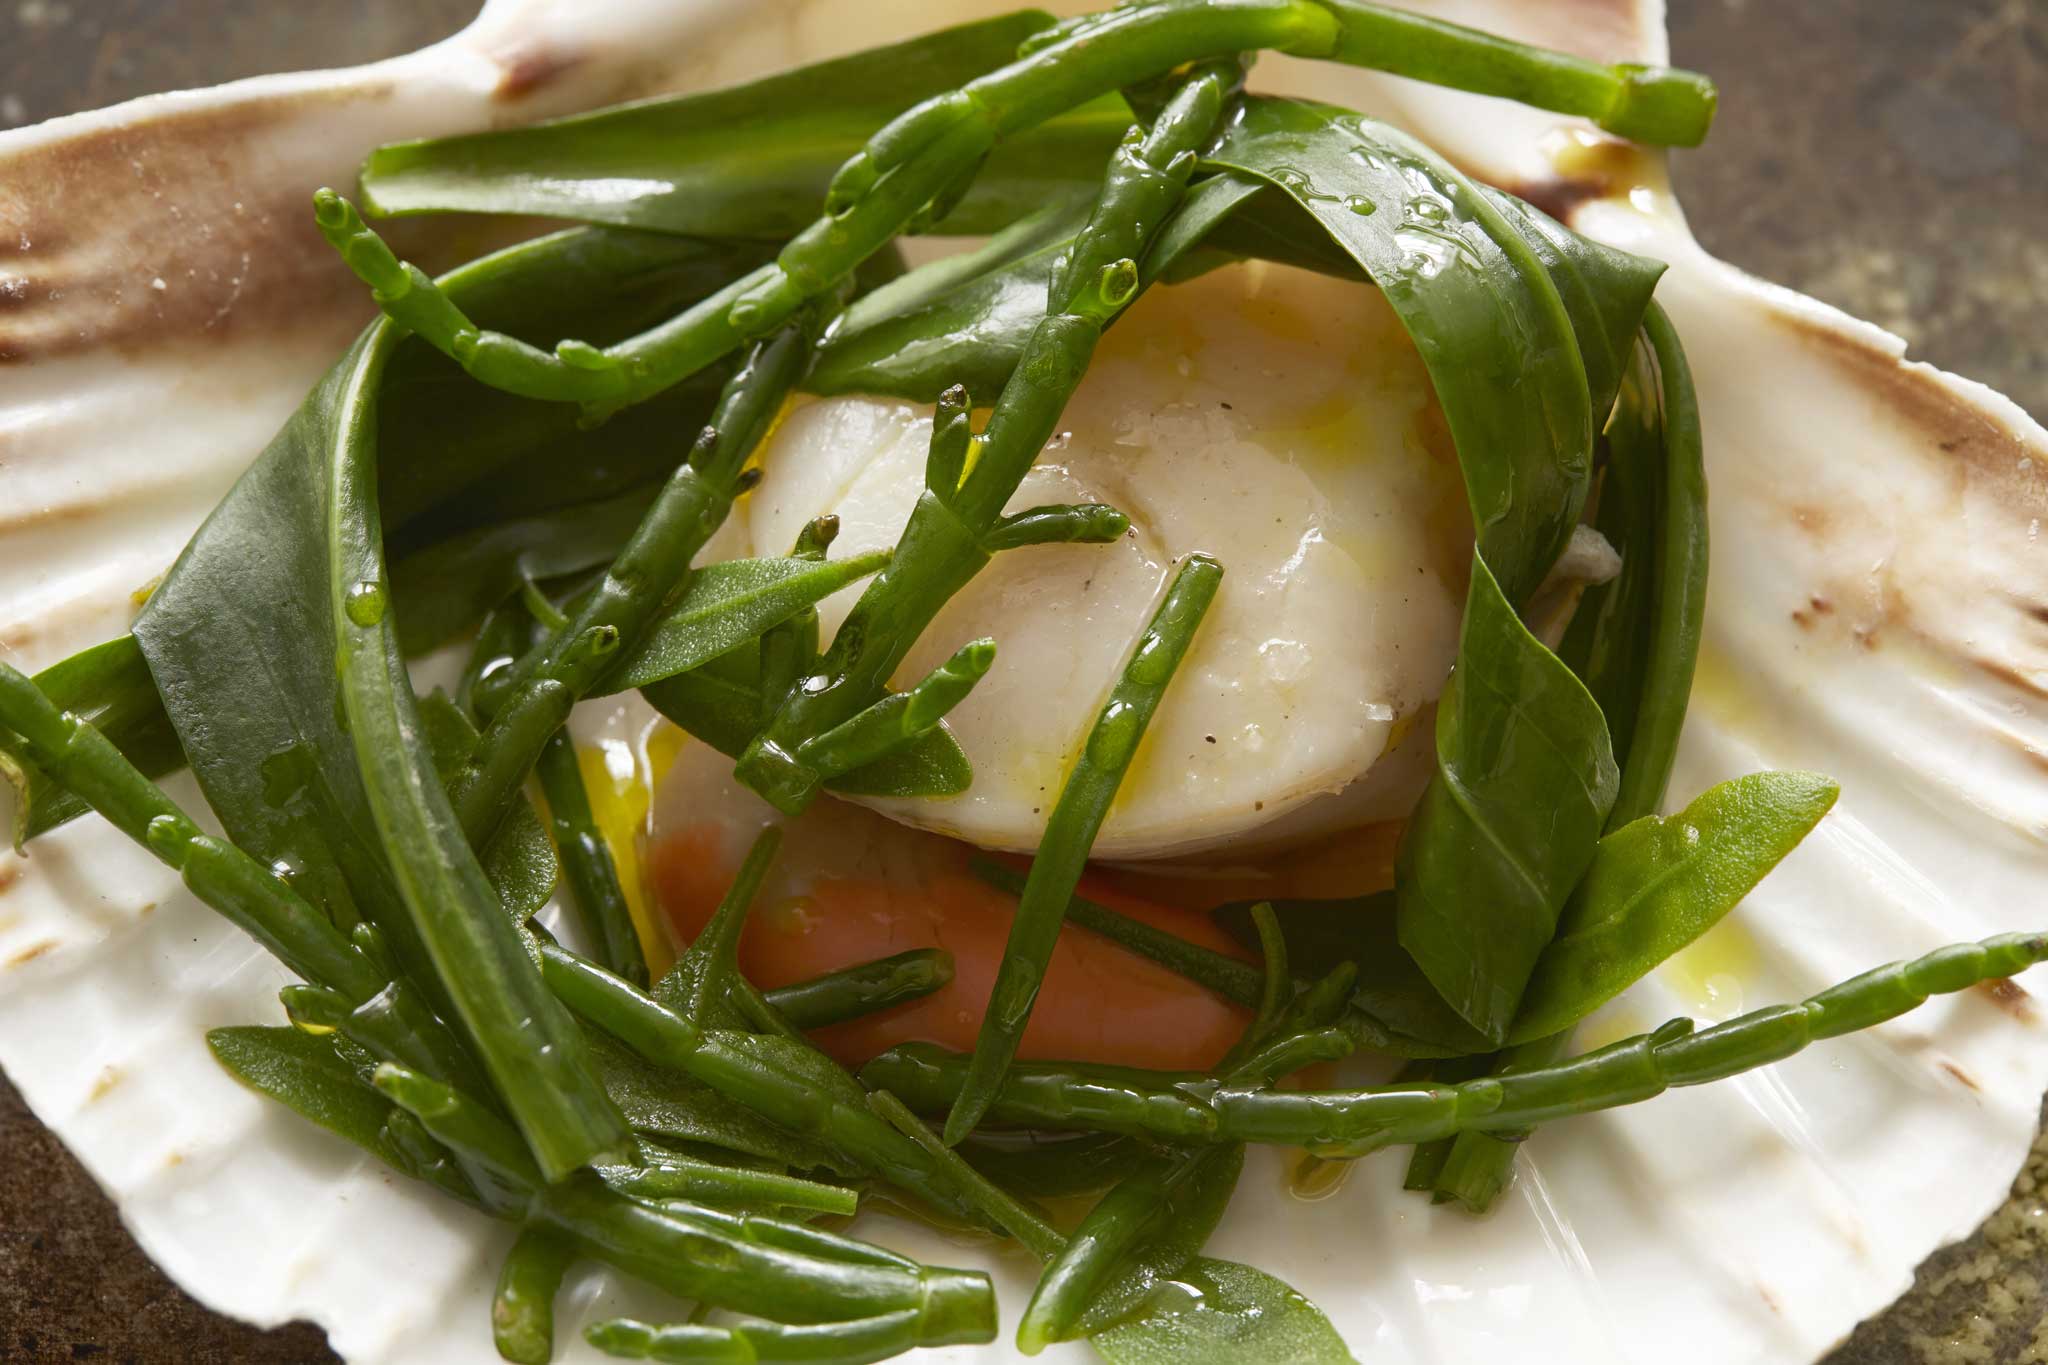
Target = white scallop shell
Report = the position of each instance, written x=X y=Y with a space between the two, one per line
x=1880 y=611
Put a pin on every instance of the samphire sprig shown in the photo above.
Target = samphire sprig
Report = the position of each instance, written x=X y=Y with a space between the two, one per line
x=1353 y=1122
x=1076 y=1293
x=353 y=967
x=969 y=479
x=745 y=1068
x=680 y=1250
x=545 y=685
x=691 y=1252
x=912 y=168
x=1083 y=805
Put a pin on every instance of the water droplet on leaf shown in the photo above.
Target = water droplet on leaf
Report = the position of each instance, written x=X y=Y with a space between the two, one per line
x=365 y=603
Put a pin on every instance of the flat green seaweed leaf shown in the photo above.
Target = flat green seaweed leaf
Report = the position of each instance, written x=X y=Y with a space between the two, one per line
x=672 y=163
x=1658 y=883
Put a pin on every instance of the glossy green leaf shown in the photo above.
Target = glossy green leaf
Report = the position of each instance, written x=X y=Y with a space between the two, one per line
x=718 y=702
x=672 y=164
x=1475 y=295
x=1659 y=883
x=1605 y=292
x=302 y=1072
x=1223 y=1313
x=1635 y=641
x=725 y=605
x=1523 y=783
x=272 y=635
x=1266 y=225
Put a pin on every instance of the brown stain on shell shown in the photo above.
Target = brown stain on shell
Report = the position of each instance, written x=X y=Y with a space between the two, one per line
x=2010 y=996
x=89 y=223
x=1810 y=615
x=525 y=68
x=16 y=637
x=2034 y=685
x=1815 y=520
x=2035 y=757
x=184 y=227
x=1962 y=1077
x=90 y=503
x=31 y=953
x=1561 y=196
x=1974 y=453
x=1983 y=449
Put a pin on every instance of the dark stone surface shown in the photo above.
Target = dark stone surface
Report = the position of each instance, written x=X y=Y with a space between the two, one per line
x=74 y=1286
x=1885 y=156
x=1881 y=154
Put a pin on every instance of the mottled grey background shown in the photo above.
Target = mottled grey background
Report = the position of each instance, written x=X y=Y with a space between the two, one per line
x=1883 y=155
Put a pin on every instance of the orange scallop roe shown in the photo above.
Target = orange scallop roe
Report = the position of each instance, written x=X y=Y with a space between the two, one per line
x=1099 y=1002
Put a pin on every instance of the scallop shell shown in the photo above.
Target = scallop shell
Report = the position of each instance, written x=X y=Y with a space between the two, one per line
x=1879 y=611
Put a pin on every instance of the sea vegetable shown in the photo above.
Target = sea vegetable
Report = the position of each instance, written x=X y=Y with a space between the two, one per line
x=363 y=874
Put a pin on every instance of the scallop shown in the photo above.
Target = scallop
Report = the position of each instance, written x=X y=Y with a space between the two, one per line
x=1272 y=417
x=1876 y=610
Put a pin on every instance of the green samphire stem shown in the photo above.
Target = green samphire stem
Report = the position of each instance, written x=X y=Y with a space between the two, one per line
x=928 y=155
x=968 y=480
x=1354 y=1122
